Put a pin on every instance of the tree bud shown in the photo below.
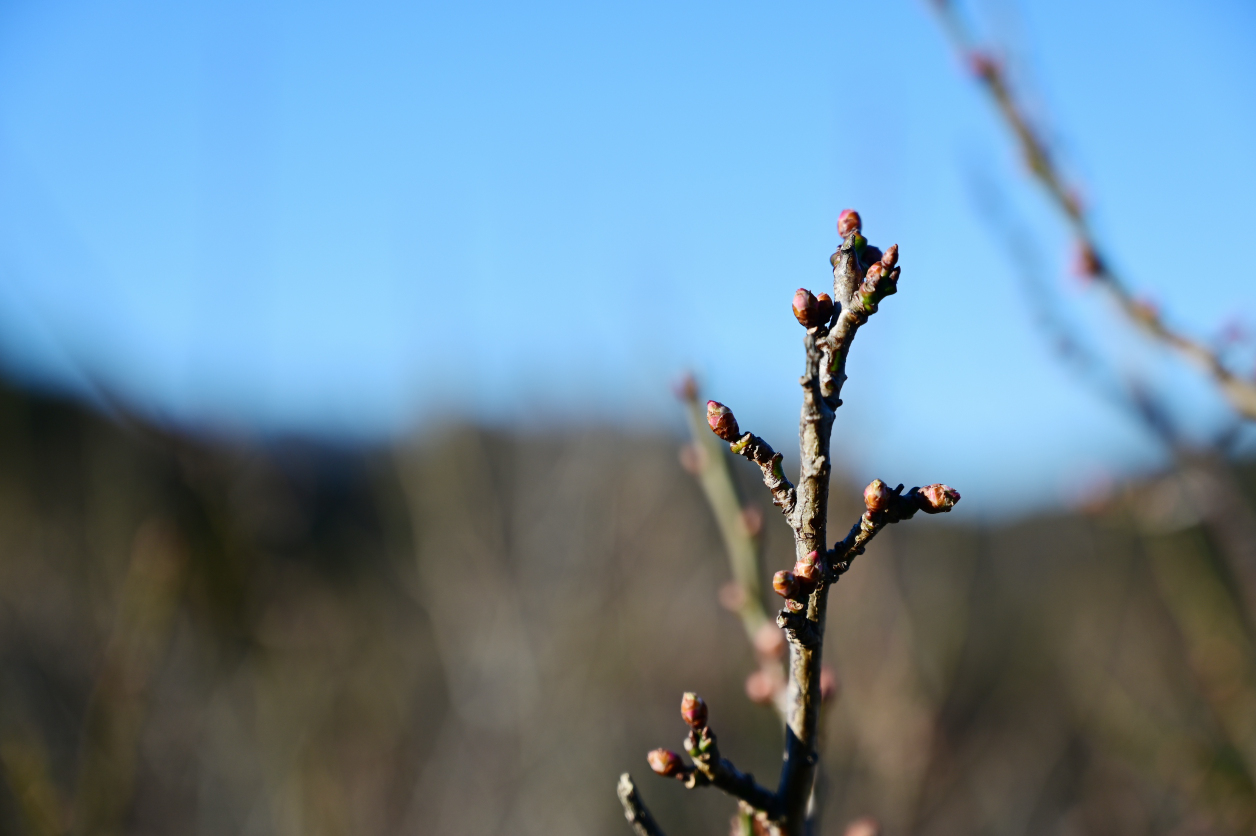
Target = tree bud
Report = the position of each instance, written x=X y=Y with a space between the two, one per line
x=751 y=520
x=691 y=458
x=722 y=422
x=666 y=763
x=769 y=641
x=890 y=258
x=1086 y=262
x=828 y=683
x=877 y=496
x=863 y=827
x=808 y=568
x=807 y=308
x=936 y=499
x=686 y=388
x=982 y=65
x=760 y=688
x=693 y=710
x=732 y=596
x=848 y=222
x=785 y=584
x=824 y=304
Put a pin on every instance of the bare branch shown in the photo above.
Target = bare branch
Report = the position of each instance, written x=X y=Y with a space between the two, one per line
x=862 y=276
x=1239 y=391
x=635 y=810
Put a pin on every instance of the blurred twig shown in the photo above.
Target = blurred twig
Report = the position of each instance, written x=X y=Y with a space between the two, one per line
x=1092 y=257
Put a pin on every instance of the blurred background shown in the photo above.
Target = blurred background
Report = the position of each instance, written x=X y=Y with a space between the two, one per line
x=343 y=487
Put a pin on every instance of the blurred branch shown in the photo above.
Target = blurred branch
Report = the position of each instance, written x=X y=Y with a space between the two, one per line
x=863 y=276
x=115 y=710
x=25 y=763
x=1092 y=258
x=635 y=810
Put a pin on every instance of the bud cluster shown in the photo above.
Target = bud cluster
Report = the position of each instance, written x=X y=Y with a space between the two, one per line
x=798 y=584
x=812 y=311
x=881 y=279
x=936 y=499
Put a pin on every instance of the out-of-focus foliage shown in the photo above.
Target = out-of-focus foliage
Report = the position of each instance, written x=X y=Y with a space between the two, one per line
x=474 y=633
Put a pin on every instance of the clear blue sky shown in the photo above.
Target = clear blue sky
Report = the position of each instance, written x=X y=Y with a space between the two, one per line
x=351 y=219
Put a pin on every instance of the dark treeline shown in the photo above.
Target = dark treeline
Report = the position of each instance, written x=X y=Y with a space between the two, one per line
x=474 y=633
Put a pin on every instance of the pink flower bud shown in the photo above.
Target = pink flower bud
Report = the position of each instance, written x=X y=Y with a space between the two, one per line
x=848 y=222
x=877 y=496
x=751 y=520
x=936 y=499
x=982 y=65
x=808 y=568
x=769 y=641
x=1086 y=262
x=890 y=258
x=686 y=388
x=722 y=422
x=874 y=274
x=760 y=688
x=828 y=684
x=785 y=584
x=824 y=305
x=863 y=827
x=691 y=458
x=693 y=710
x=666 y=763
x=732 y=596
x=806 y=308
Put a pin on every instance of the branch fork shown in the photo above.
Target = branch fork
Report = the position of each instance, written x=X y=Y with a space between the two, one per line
x=863 y=276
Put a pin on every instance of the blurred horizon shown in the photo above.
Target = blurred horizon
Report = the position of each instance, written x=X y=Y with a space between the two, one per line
x=353 y=224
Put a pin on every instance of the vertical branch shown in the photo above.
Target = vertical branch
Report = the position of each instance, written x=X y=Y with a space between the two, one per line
x=709 y=463
x=862 y=276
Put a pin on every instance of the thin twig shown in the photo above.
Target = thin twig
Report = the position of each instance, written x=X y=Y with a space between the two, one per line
x=635 y=810
x=1239 y=391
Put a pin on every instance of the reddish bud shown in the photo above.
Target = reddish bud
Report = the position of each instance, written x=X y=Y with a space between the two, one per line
x=824 y=305
x=666 y=763
x=863 y=827
x=890 y=258
x=693 y=710
x=875 y=272
x=686 y=389
x=828 y=683
x=877 y=496
x=751 y=520
x=691 y=458
x=760 y=688
x=848 y=222
x=808 y=568
x=807 y=308
x=1086 y=262
x=793 y=605
x=722 y=422
x=785 y=584
x=769 y=641
x=732 y=596
x=982 y=65
x=1145 y=310
x=937 y=499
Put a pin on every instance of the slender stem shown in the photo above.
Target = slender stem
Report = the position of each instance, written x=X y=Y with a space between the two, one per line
x=635 y=810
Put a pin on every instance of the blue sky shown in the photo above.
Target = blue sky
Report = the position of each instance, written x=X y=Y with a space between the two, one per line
x=355 y=219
